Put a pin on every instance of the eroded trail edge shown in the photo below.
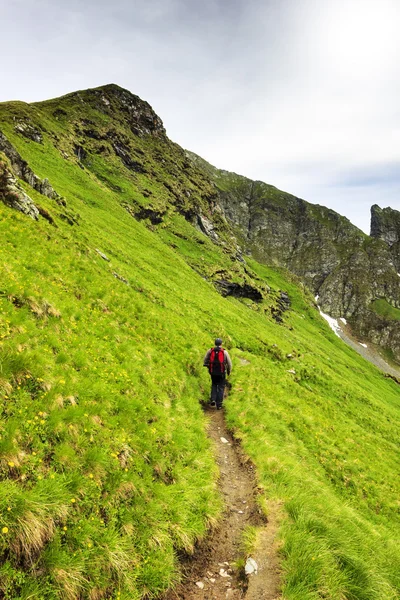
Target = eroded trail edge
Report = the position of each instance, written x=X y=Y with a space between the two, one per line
x=212 y=572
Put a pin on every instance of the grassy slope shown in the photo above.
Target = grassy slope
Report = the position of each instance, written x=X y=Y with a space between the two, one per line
x=383 y=308
x=105 y=467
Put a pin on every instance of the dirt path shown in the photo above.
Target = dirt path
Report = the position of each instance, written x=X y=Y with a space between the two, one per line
x=211 y=573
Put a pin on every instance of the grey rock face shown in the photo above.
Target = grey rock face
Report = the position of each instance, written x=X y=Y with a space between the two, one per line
x=13 y=195
x=385 y=225
x=29 y=131
x=207 y=227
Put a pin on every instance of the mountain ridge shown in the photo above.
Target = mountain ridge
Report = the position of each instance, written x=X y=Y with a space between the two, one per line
x=349 y=271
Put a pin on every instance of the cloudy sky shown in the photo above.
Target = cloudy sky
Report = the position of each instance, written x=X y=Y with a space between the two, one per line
x=302 y=94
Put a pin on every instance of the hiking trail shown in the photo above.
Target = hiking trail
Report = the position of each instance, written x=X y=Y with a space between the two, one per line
x=211 y=573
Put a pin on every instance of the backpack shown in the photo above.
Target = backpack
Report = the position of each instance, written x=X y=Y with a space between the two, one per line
x=217 y=361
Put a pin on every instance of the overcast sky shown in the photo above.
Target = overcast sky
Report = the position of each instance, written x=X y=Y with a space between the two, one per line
x=302 y=94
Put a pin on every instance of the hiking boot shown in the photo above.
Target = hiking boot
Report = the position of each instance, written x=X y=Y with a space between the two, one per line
x=219 y=407
x=212 y=403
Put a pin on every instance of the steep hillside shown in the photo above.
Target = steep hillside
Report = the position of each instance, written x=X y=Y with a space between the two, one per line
x=347 y=269
x=111 y=289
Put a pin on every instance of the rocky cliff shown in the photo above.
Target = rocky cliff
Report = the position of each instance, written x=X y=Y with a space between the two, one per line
x=385 y=225
x=109 y=130
x=348 y=270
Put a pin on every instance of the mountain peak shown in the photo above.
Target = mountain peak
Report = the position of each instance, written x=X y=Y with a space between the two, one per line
x=385 y=224
x=119 y=103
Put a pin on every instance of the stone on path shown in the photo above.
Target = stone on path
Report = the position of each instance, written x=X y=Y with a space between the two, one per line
x=224 y=441
x=200 y=584
x=251 y=566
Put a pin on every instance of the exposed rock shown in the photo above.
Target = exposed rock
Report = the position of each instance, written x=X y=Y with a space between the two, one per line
x=80 y=152
x=70 y=218
x=282 y=305
x=228 y=288
x=59 y=113
x=251 y=566
x=385 y=225
x=29 y=131
x=22 y=170
x=93 y=134
x=124 y=153
x=120 y=103
x=200 y=585
x=207 y=227
x=117 y=276
x=223 y=573
x=103 y=256
x=12 y=194
x=154 y=215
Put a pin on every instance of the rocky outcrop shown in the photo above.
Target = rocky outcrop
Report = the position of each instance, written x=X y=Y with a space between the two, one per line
x=122 y=105
x=385 y=225
x=207 y=226
x=282 y=305
x=22 y=170
x=237 y=290
x=29 y=131
x=12 y=194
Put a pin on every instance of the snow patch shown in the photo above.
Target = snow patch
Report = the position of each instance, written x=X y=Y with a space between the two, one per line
x=333 y=324
x=343 y=320
x=363 y=345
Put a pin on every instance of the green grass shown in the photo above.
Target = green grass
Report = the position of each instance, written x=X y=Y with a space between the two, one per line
x=384 y=309
x=105 y=467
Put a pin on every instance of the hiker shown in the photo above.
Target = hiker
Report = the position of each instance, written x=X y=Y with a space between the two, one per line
x=219 y=365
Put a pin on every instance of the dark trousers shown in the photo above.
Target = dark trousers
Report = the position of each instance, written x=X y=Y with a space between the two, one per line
x=217 y=388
